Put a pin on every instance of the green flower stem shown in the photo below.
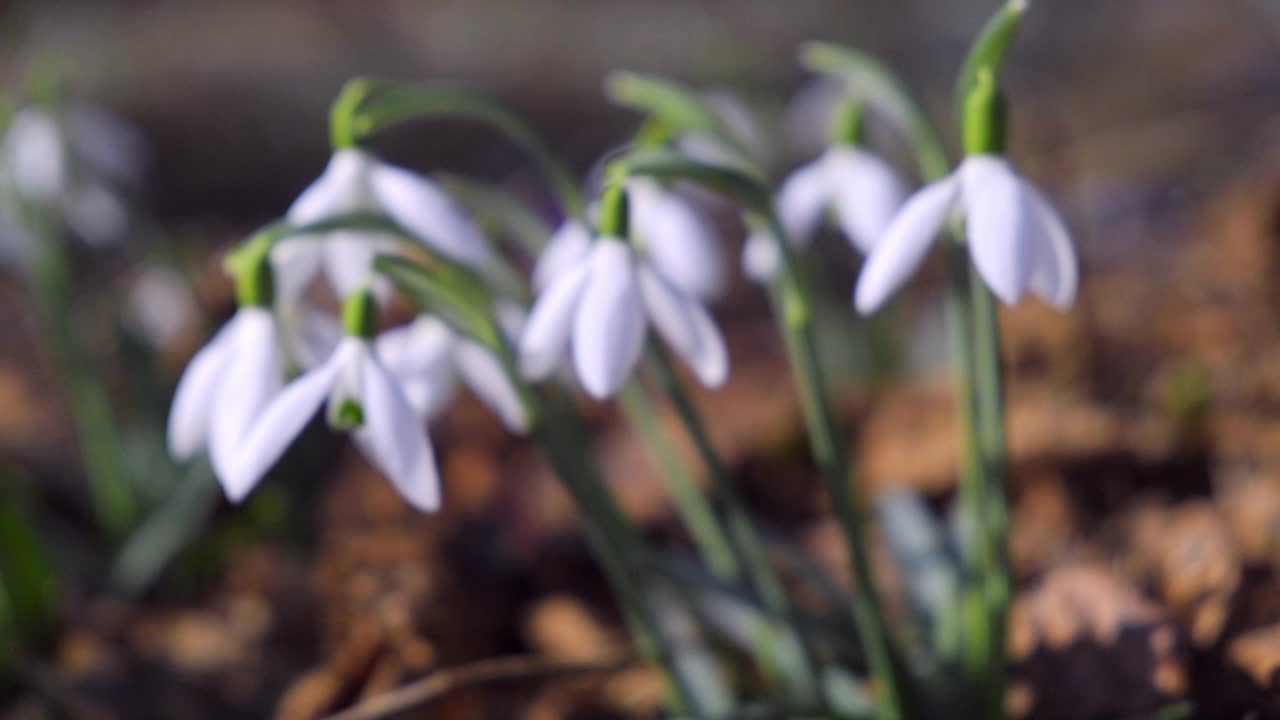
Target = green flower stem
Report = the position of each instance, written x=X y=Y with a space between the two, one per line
x=746 y=538
x=793 y=311
x=95 y=426
x=694 y=510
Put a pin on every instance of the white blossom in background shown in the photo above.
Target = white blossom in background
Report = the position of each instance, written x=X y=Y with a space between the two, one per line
x=671 y=231
x=427 y=358
x=861 y=191
x=78 y=165
x=160 y=305
x=356 y=181
x=388 y=431
x=598 y=310
x=1016 y=239
x=225 y=388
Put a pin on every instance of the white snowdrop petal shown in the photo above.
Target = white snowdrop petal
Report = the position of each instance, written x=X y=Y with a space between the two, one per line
x=609 y=326
x=1056 y=275
x=905 y=243
x=569 y=244
x=760 y=258
x=294 y=264
x=192 y=407
x=395 y=441
x=866 y=192
x=546 y=335
x=999 y=225
x=677 y=240
x=36 y=155
x=348 y=262
x=801 y=200
x=322 y=198
x=419 y=357
x=310 y=334
x=484 y=374
x=687 y=327
x=251 y=379
x=97 y=215
x=279 y=425
x=426 y=211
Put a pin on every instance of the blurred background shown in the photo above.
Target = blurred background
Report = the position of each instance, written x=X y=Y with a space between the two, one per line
x=1144 y=424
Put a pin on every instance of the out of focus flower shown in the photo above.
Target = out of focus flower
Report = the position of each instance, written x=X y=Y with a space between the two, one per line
x=600 y=307
x=363 y=398
x=356 y=181
x=1016 y=239
x=861 y=191
x=159 y=306
x=224 y=389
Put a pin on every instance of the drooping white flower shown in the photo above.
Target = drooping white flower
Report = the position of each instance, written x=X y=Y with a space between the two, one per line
x=356 y=181
x=600 y=307
x=1016 y=239
x=427 y=358
x=362 y=396
x=860 y=190
x=225 y=387
x=160 y=305
x=674 y=235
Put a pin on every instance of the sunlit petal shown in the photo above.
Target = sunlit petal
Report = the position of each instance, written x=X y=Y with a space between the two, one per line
x=192 y=408
x=394 y=440
x=1055 y=276
x=905 y=243
x=340 y=189
x=419 y=356
x=803 y=197
x=484 y=374
x=545 y=339
x=428 y=213
x=569 y=244
x=251 y=379
x=677 y=239
x=1000 y=225
x=686 y=326
x=609 y=326
x=760 y=257
x=867 y=192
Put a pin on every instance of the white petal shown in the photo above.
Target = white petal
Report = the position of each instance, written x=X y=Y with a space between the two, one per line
x=568 y=244
x=424 y=210
x=249 y=382
x=760 y=257
x=866 y=192
x=36 y=155
x=484 y=374
x=609 y=326
x=395 y=441
x=294 y=264
x=281 y=422
x=348 y=262
x=546 y=336
x=905 y=243
x=677 y=239
x=686 y=326
x=999 y=224
x=310 y=334
x=342 y=188
x=802 y=199
x=193 y=400
x=1056 y=275
x=97 y=215
x=419 y=357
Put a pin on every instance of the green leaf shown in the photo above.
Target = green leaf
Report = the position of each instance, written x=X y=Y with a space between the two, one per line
x=870 y=80
x=495 y=207
x=28 y=583
x=388 y=103
x=457 y=297
x=679 y=109
x=182 y=517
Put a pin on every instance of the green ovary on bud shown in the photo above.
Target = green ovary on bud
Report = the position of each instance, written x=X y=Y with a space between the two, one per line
x=984 y=116
x=254 y=277
x=346 y=415
x=614 y=211
x=360 y=314
x=846 y=123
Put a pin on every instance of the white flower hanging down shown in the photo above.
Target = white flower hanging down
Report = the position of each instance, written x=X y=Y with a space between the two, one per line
x=600 y=308
x=363 y=397
x=426 y=357
x=1016 y=239
x=225 y=387
x=861 y=190
x=675 y=237
x=356 y=181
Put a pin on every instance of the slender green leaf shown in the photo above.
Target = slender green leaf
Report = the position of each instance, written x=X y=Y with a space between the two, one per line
x=731 y=182
x=989 y=49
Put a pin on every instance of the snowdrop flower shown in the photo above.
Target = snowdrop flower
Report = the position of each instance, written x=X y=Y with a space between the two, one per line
x=160 y=305
x=363 y=397
x=356 y=181
x=674 y=235
x=229 y=381
x=861 y=191
x=1016 y=239
x=427 y=358
x=600 y=308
